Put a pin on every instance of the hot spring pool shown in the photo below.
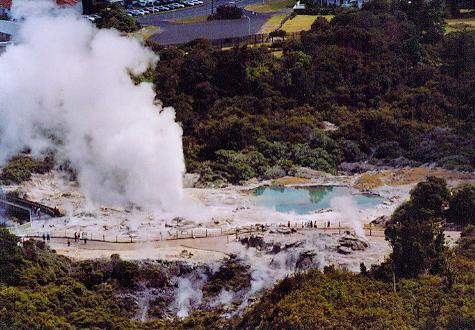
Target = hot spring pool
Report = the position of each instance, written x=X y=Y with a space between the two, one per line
x=304 y=200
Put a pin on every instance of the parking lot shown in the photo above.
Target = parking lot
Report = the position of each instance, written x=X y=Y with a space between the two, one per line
x=146 y=7
x=154 y=13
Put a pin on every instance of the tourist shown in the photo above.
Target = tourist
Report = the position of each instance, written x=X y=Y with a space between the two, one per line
x=69 y=243
x=48 y=237
x=288 y=223
x=44 y=237
x=328 y=224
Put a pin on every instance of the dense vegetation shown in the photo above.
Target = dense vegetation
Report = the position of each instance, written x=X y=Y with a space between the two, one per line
x=115 y=17
x=400 y=91
x=226 y=12
x=21 y=167
x=342 y=300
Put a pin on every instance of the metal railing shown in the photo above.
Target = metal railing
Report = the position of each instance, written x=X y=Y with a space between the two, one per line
x=195 y=233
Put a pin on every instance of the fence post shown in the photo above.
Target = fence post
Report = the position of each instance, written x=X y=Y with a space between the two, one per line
x=131 y=239
x=206 y=232
x=103 y=237
x=370 y=229
x=339 y=228
x=116 y=238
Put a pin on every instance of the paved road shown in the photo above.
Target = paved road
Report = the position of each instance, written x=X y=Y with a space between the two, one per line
x=172 y=33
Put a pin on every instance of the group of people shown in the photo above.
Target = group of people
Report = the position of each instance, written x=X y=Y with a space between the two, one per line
x=311 y=224
x=77 y=237
x=46 y=237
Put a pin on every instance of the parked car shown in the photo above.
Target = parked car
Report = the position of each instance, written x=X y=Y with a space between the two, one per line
x=163 y=8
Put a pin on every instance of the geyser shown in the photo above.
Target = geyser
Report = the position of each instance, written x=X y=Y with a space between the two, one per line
x=66 y=86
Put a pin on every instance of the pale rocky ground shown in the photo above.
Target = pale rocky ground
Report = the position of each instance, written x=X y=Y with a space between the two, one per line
x=212 y=210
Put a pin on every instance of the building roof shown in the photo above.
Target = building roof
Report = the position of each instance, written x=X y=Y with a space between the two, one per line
x=5 y=4
x=66 y=2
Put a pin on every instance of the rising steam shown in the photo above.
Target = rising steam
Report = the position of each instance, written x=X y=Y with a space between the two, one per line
x=65 y=86
x=348 y=212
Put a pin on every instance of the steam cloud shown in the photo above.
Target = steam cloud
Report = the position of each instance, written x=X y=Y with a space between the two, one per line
x=349 y=211
x=65 y=86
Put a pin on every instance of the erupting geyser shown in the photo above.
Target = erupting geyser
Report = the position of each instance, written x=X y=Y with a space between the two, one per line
x=66 y=86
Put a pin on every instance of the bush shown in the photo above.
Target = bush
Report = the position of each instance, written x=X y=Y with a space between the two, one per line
x=462 y=206
x=226 y=12
x=20 y=168
x=115 y=17
x=278 y=33
x=314 y=158
x=388 y=150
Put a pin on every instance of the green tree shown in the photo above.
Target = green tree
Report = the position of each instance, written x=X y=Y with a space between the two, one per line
x=462 y=206
x=11 y=258
x=115 y=17
x=415 y=230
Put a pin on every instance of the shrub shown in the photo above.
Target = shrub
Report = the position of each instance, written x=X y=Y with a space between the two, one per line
x=462 y=206
x=20 y=168
x=226 y=12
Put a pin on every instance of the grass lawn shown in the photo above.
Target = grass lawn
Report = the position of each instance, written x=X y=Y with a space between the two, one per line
x=302 y=22
x=194 y=19
x=144 y=33
x=273 y=23
x=459 y=24
x=271 y=5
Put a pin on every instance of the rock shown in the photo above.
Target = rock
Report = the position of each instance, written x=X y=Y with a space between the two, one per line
x=305 y=260
x=344 y=250
x=352 y=242
x=190 y=180
x=329 y=127
x=284 y=230
x=380 y=221
x=255 y=241
x=292 y=245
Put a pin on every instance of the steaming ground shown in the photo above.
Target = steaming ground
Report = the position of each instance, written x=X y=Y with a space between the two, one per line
x=225 y=208
x=218 y=208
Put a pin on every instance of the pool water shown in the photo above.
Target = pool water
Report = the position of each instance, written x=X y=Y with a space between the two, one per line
x=304 y=200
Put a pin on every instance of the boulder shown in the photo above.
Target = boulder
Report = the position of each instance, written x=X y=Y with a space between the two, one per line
x=305 y=260
x=380 y=221
x=344 y=250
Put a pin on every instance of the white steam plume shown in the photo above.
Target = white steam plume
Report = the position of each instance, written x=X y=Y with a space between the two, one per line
x=66 y=86
x=188 y=294
x=348 y=210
